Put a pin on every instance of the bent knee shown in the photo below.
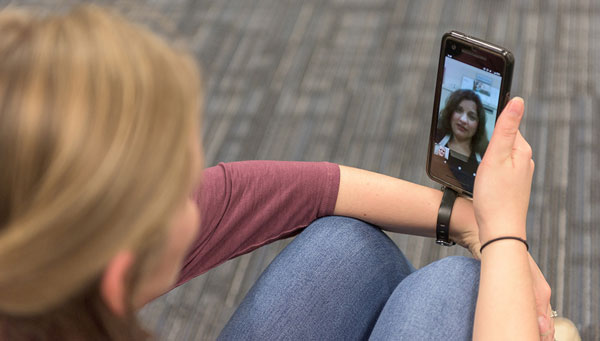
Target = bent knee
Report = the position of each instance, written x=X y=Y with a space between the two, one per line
x=343 y=232
x=457 y=270
x=350 y=239
x=458 y=263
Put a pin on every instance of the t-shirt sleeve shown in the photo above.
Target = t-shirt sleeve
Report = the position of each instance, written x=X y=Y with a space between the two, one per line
x=245 y=205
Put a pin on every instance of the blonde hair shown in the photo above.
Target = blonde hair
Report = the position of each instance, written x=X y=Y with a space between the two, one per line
x=96 y=119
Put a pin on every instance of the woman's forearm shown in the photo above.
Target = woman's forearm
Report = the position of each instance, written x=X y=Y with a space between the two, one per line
x=396 y=205
x=506 y=304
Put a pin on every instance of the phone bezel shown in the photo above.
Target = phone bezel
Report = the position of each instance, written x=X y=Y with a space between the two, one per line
x=491 y=52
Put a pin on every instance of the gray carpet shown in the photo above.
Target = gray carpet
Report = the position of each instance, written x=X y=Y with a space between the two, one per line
x=351 y=81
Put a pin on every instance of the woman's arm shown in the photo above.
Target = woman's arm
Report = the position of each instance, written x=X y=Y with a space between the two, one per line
x=400 y=206
x=245 y=205
x=506 y=303
x=506 y=306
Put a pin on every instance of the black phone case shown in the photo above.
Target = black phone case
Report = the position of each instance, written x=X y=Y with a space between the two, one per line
x=504 y=97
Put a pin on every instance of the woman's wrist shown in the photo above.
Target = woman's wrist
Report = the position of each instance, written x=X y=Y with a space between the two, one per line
x=462 y=219
x=503 y=246
x=504 y=238
x=489 y=231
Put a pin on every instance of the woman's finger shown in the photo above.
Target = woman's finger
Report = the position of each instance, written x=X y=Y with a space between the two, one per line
x=551 y=321
x=507 y=127
x=544 y=326
x=522 y=146
x=542 y=292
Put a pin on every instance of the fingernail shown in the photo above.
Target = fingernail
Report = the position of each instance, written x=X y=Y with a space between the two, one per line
x=516 y=104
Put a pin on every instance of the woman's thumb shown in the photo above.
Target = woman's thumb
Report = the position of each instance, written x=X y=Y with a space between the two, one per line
x=506 y=129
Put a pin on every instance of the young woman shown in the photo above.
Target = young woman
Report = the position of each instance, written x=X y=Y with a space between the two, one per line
x=462 y=127
x=99 y=147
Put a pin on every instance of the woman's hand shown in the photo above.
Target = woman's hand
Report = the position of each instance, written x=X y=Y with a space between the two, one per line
x=503 y=182
x=463 y=226
x=542 y=293
x=512 y=291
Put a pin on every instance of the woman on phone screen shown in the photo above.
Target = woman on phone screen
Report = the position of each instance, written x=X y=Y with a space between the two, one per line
x=461 y=128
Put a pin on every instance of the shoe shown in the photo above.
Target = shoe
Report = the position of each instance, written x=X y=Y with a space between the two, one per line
x=565 y=330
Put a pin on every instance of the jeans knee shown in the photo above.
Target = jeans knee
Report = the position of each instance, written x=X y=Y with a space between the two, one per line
x=352 y=244
x=456 y=271
x=451 y=280
x=343 y=235
x=432 y=303
x=329 y=270
x=458 y=264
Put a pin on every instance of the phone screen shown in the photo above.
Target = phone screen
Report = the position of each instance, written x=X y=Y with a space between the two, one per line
x=470 y=94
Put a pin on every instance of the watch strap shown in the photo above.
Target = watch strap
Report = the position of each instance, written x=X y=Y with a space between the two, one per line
x=442 y=229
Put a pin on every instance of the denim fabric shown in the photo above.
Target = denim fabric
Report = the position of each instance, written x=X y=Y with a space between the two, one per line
x=437 y=302
x=343 y=279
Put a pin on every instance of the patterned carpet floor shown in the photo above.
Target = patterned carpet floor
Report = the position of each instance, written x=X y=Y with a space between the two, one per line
x=352 y=81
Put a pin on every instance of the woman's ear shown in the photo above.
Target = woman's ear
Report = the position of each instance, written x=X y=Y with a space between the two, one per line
x=114 y=282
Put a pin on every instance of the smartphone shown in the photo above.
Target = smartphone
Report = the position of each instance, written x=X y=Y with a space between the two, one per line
x=472 y=88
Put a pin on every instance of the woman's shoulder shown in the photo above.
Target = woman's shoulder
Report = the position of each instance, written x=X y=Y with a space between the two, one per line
x=442 y=138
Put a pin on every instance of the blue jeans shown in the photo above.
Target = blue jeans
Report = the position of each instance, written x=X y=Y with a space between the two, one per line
x=343 y=279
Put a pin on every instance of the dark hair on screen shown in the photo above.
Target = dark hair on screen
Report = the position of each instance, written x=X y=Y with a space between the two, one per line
x=479 y=141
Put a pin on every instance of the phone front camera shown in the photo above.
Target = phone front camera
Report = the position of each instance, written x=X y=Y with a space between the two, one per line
x=453 y=46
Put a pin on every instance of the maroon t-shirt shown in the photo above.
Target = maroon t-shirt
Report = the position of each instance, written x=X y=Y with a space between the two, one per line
x=245 y=205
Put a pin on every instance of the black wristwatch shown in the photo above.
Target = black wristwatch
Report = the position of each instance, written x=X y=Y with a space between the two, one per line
x=442 y=229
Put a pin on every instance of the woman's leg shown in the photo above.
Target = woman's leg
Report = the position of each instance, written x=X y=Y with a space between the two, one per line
x=436 y=302
x=331 y=282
